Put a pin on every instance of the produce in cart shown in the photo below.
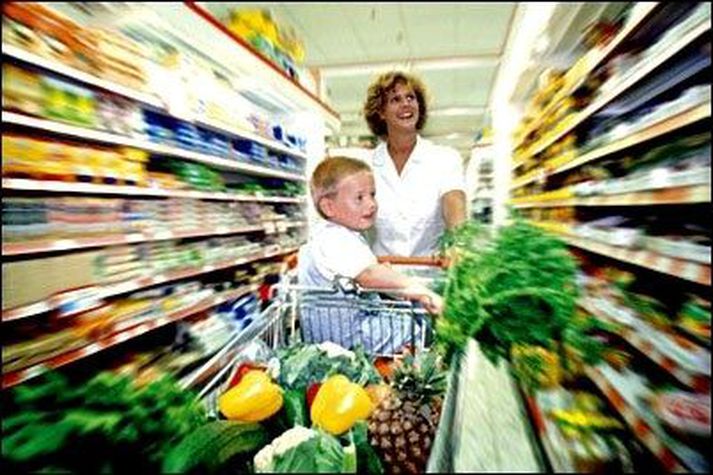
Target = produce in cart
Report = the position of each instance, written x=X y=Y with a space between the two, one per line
x=403 y=426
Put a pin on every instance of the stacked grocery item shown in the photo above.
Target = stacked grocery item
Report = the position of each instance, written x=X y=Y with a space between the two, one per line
x=112 y=265
x=584 y=437
x=277 y=42
x=110 y=55
x=66 y=217
x=41 y=158
x=57 y=99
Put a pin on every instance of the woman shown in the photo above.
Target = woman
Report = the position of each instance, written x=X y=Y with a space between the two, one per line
x=420 y=186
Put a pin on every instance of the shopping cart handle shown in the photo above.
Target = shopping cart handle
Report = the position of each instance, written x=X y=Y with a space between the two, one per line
x=436 y=261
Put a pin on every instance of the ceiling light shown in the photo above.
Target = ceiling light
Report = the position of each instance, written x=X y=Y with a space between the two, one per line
x=423 y=64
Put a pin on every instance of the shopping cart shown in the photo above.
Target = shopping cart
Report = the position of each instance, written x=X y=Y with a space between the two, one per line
x=375 y=320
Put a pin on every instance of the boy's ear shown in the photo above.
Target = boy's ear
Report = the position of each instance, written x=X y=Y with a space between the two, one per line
x=326 y=204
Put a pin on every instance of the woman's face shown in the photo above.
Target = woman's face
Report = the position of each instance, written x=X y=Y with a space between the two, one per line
x=354 y=204
x=401 y=109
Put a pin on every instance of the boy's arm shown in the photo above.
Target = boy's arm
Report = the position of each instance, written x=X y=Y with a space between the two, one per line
x=380 y=276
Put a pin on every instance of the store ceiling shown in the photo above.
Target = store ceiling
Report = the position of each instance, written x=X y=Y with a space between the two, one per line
x=454 y=47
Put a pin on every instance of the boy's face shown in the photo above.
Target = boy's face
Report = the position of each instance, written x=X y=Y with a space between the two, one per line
x=353 y=205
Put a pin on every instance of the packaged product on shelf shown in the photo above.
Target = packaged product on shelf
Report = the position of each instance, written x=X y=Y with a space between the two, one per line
x=21 y=90
x=118 y=58
x=45 y=32
x=695 y=317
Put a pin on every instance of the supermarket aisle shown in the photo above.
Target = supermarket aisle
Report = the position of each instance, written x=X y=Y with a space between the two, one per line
x=154 y=198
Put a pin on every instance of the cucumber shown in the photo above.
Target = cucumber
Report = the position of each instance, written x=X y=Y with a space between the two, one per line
x=211 y=446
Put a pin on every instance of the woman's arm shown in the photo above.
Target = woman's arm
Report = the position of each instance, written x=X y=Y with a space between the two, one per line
x=453 y=204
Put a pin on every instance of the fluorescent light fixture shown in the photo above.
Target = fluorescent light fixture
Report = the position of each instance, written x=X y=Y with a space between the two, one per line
x=423 y=64
x=457 y=111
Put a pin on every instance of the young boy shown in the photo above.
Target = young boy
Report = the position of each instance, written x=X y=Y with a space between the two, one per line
x=343 y=193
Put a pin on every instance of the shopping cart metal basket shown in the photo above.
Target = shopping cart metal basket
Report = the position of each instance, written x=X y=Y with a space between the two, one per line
x=376 y=320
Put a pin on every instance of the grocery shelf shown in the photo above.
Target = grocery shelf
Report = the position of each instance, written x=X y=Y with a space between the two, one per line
x=668 y=124
x=649 y=436
x=239 y=52
x=597 y=58
x=74 y=73
x=641 y=71
x=117 y=288
x=13 y=378
x=698 y=382
x=84 y=133
x=22 y=184
x=674 y=195
x=30 y=247
x=687 y=270
x=142 y=97
x=549 y=435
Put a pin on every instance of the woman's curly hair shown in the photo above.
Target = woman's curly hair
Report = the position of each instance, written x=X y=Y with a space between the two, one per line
x=376 y=99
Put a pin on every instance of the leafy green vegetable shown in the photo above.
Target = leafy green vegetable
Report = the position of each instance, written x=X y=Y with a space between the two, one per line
x=295 y=407
x=302 y=364
x=302 y=450
x=517 y=288
x=368 y=460
x=320 y=454
x=105 y=424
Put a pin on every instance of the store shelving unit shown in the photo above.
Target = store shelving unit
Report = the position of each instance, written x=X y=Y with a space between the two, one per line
x=118 y=288
x=640 y=72
x=12 y=378
x=666 y=125
x=142 y=97
x=47 y=186
x=647 y=341
x=84 y=133
x=674 y=358
x=684 y=269
x=588 y=64
x=172 y=23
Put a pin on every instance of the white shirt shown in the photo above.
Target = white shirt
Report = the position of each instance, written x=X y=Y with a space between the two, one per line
x=331 y=250
x=410 y=218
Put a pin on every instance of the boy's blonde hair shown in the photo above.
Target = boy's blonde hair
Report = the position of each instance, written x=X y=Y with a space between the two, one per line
x=329 y=173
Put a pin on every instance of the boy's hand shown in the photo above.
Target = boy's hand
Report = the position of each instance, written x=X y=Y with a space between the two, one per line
x=431 y=301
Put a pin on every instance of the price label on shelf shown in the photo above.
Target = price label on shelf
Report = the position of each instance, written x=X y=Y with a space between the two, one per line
x=63 y=244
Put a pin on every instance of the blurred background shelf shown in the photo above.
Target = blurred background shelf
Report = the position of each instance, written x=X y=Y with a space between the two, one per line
x=13 y=378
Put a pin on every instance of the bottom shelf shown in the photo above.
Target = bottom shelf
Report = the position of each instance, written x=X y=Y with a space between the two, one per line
x=626 y=391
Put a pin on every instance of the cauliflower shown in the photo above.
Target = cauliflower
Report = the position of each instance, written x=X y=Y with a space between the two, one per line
x=286 y=441
x=303 y=450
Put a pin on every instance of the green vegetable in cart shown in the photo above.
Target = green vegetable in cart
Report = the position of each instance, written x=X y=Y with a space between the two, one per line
x=216 y=446
x=295 y=408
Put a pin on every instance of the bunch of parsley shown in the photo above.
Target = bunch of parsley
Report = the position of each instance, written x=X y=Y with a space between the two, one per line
x=517 y=287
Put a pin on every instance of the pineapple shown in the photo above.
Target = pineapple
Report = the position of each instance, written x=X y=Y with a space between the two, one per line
x=403 y=425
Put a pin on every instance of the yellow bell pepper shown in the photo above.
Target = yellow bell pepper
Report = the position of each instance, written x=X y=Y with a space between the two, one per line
x=339 y=404
x=253 y=399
